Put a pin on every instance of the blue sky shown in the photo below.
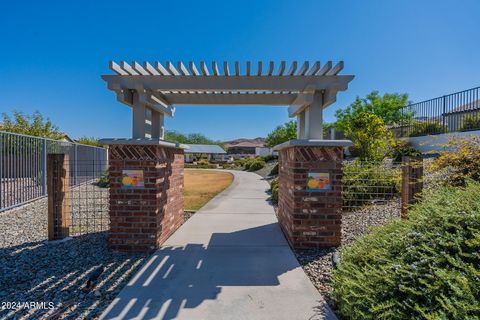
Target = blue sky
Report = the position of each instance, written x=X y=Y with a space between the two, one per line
x=53 y=53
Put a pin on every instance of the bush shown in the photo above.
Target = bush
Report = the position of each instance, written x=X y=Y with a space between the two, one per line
x=103 y=182
x=203 y=162
x=471 y=122
x=248 y=162
x=274 y=190
x=228 y=166
x=268 y=158
x=402 y=149
x=274 y=170
x=461 y=162
x=427 y=128
x=422 y=268
x=239 y=162
x=201 y=166
x=371 y=139
x=364 y=181
x=256 y=165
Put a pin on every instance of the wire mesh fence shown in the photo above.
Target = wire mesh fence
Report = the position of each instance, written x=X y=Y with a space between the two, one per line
x=23 y=166
x=367 y=183
x=80 y=208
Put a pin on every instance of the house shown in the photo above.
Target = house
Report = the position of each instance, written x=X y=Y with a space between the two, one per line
x=464 y=117
x=248 y=149
x=204 y=151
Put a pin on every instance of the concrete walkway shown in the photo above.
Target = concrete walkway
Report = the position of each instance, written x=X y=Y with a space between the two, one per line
x=230 y=260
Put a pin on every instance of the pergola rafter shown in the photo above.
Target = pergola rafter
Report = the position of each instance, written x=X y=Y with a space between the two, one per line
x=153 y=90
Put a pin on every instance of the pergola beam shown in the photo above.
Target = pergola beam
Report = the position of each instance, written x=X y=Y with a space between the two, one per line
x=281 y=69
x=150 y=69
x=183 y=69
x=193 y=68
x=171 y=69
x=223 y=83
x=161 y=69
x=128 y=68
x=204 y=68
x=231 y=99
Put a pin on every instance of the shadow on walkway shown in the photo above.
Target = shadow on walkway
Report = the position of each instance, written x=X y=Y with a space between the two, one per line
x=175 y=279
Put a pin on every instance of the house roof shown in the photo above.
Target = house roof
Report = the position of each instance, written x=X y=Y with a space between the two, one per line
x=248 y=144
x=471 y=106
x=204 y=148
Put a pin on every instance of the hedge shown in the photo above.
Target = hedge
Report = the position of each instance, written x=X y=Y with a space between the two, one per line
x=426 y=267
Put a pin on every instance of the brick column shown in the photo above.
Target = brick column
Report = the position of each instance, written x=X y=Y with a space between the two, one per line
x=143 y=218
x=310 y=219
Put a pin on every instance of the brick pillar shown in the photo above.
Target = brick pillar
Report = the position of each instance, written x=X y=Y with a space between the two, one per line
x=310 y=218
x=143 y=218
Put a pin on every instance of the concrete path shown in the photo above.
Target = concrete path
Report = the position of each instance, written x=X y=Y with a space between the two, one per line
x=230 y=260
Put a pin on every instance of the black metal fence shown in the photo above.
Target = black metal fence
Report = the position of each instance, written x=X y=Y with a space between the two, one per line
x=455 y=112
x=23 y=166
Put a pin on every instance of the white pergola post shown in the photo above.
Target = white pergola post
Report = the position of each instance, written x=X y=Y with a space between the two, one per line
x=158 y=129
x=139 y=118
x=314 y=119
x=301 y=125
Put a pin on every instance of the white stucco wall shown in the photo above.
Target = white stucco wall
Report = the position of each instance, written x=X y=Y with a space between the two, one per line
x=436 y=143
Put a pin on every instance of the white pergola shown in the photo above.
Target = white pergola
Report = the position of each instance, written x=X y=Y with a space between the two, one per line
x=154 y=90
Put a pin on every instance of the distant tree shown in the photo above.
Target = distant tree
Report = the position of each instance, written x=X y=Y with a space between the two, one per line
x=388 y=107
x=174 y=136
x=282 y=133
x=288 y=131
x=33 y=125
x=191 y=138
x=91 y=141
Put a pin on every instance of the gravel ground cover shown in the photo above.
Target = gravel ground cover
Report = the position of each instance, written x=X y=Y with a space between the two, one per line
x=79 y=276
x=318 y=264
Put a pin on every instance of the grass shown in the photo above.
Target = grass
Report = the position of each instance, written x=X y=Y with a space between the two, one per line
x=203 y=185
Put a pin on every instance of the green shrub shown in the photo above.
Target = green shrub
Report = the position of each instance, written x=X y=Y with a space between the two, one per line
x=371 y=139
x=471 y=122
x=426 y=267
x=248 y=162
x=256 y=165
x=461 y=162
x=274 y=170
x=203 y=162
x=103 y=182
x=268 y=158
x=228 y=166
x=364 y=181
x=201 y=166
x=274 y=190
x=426 y=128
x=239 y=162
x=402 y=149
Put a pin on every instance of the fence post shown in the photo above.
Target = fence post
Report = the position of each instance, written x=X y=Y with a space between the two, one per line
x=412 y=182
x=44 y=169
x=443 y=115
x=75 y=161
x=58 y=187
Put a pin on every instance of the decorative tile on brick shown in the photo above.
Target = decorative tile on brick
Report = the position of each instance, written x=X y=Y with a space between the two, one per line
x=142 y=219
x=310 y=219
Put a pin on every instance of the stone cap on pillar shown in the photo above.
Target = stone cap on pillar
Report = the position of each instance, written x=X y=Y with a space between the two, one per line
x=313 y=143
x=143 y=142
